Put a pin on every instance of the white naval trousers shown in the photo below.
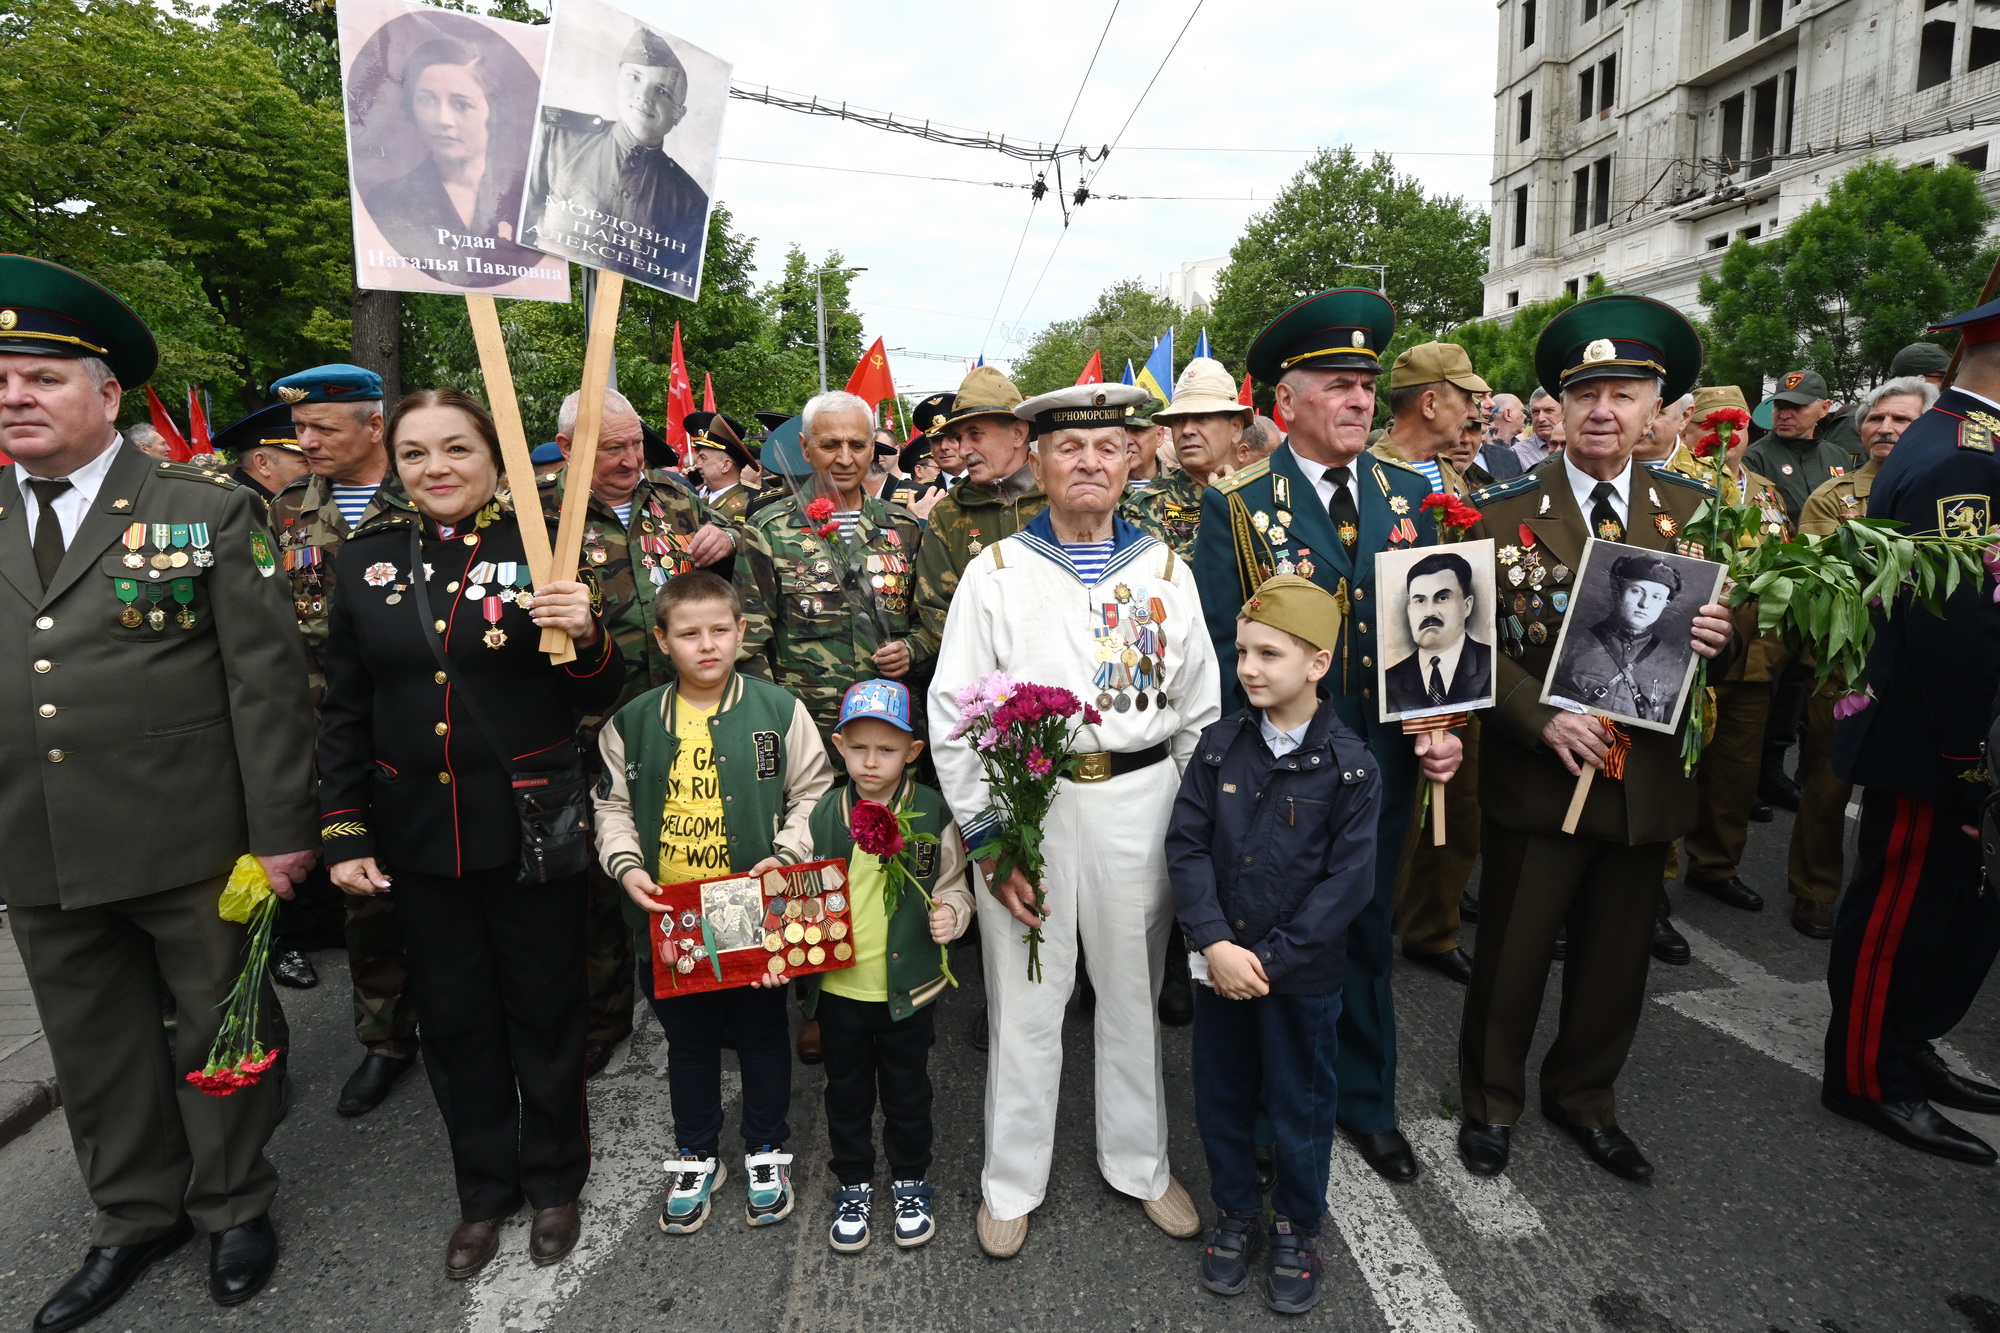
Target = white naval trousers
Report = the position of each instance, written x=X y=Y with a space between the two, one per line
x=1107 y=886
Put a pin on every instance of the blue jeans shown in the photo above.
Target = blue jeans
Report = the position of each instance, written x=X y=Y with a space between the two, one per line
x=1274 y=1054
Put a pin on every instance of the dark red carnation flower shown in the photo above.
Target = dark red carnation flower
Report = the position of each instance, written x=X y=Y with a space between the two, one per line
x=875 y=829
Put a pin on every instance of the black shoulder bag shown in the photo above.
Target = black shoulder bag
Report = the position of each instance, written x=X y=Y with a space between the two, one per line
x=553 y=805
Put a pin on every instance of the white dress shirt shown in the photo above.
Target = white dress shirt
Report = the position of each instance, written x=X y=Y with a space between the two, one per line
x=1581 y=484
x=1444 y=659
x=1325 y=483
x=74 y=503
x=1281 y=742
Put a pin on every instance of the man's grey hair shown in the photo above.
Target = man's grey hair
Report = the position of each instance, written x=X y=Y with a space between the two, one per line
x=614 y=401
x=1680 y=404
x=140 y=434
x=1539 y=394
x=1910 y=386
x=98 y=369
x=835 y=400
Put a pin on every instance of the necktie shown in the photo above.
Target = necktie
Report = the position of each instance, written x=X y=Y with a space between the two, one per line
x=48 y=528
x=1437 y=682
x=1346 y=518
x=1603 y=518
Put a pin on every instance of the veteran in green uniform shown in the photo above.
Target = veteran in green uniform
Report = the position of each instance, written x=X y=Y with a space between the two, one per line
x=997 y=499
x=266 y=449
x=1207 y=424
x=837 y=588
x=1610 y=361
x=721 y=451
x=1320 y=508
x=337 y=416
x=156 y=728
x=640 y=529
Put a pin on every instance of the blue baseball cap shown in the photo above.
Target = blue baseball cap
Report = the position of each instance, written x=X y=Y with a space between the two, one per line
x=883 y=700
x=337 y=383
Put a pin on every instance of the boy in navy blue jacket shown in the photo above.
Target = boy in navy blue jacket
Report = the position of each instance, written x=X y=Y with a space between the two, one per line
x=1272 y=855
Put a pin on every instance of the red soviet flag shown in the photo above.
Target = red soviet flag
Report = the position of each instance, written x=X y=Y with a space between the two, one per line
x=1244 y=397
x=198 y=437
x=871 y=382
x=1094 y=372
x=707 y=392
x=680 y=400
x=177 y=445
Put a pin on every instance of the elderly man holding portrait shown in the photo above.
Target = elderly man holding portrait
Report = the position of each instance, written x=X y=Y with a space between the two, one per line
x=1068 y=602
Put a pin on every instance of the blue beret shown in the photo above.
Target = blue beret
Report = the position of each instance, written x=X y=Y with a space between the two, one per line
x=546 y=453
x=337 y=383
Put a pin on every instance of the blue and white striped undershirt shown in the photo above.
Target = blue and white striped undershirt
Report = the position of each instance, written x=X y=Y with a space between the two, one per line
x=1429 y=468
x=1090 y=558
x=352 y=501
x=849 y=520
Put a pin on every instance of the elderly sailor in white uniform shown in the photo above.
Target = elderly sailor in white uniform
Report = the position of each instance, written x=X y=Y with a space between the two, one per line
x=1082 y=600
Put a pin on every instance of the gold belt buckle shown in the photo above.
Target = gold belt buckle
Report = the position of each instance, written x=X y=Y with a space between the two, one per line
x=1093 y=767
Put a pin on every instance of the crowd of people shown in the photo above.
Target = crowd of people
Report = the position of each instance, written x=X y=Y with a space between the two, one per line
x=344 y=673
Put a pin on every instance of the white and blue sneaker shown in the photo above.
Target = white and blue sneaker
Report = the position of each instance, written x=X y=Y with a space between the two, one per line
x=914 y=1223
x=691 y=1180
x=850 y=1217
x=770 y=1186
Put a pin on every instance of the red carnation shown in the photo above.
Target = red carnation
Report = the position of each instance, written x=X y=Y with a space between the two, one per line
x=1707 y=445
x=875 y=829
x=1436 y=500
x=820 y=510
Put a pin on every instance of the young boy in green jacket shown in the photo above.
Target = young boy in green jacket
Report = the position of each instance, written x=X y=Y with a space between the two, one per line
x=875 y=1020
x=713 y=775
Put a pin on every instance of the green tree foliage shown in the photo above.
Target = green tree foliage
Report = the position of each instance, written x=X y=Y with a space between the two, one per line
x=1124 y=323
x=1339 y=211
x=1504 y=354
x=1852 y=279
x=170 y=161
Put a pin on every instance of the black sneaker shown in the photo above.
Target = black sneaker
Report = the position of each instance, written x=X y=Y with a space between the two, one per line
x=1292 y=1287
x=1232 y=1247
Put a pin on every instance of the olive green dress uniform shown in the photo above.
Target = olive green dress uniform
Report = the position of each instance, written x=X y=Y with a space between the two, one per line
x=311 y=529
x=833 y=601
x=1603 y=880
x=1814 y=868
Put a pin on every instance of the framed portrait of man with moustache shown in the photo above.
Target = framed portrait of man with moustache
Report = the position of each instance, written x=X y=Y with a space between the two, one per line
x=1625 y=650
x=1437 y=629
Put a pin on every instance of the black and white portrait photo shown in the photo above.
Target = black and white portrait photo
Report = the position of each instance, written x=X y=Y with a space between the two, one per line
x=625 y=146
x=1624 y=651
x=440 y=106
x=1437 y=629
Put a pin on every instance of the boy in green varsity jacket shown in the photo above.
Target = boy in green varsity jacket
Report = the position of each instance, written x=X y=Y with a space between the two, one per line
x=715 y=774
x=875 y=1018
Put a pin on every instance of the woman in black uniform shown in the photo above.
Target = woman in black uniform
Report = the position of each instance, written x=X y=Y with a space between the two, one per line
x=416 y=801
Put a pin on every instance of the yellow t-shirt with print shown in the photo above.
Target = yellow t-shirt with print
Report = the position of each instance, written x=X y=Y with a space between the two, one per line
x=868 y=980
x=693 y=844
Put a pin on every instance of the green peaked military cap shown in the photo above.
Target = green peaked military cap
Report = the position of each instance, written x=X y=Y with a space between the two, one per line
x=49 y=310
x=713 y=430
x=266 y=426
x=1619 y=337
x=1344 y=329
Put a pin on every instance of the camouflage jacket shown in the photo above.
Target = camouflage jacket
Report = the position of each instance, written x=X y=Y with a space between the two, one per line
x=1169 y=509
x=622 y=580
x=966 y=522
x=831 y=603
x=310 y=529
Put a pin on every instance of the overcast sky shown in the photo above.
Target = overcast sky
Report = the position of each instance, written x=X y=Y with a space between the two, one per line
x=1413 y=78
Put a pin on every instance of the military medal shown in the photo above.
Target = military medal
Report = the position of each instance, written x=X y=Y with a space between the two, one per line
x=495 y=637
x=1349 y=534
x=1398 y=505
x=198 y=536
x=1560 y=601
x=184 y=594
x=1276 y=533
x=1508 y=555
x=1665 y=523
x=379 y=574
x=128 y=592
x=1537 y=632
x=163 y=538
x=135 y=541
x=1517 y=575
x=1562 y=573
x=1261 y=521
x=1611 y=530
x=1305 y=569
x=179 y=536
x=157 y=617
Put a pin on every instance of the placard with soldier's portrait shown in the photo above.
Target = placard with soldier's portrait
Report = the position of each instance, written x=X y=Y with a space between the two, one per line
x=1438 y=613
x=626 y=137
x=1626 y=650
x=440 y=108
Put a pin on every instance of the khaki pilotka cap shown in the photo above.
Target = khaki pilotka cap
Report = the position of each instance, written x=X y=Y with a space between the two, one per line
x=1297 y=606
x=1429 y=363
x=1716 y=398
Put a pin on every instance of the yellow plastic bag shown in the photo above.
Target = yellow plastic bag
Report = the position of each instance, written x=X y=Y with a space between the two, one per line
x=248 y=885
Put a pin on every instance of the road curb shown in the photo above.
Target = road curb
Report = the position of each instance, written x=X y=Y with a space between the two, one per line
x=27 y=1090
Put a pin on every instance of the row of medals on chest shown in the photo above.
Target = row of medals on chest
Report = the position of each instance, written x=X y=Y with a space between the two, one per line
x=1526 y=571
x=1130 y=651
x=175 y=546
x=888 y=572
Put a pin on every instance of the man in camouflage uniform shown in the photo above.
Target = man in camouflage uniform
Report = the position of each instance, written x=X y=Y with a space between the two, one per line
x=337 y=414
x=996 y=500
x=640 y=529
x=837 y=588
x=1208 y=425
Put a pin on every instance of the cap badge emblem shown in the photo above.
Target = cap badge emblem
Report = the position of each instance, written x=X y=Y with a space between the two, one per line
x=1360 y=338
x=8 y=319
x=1600 y=349
x=1793 y=380
x=1097 y=399
x=291 y=393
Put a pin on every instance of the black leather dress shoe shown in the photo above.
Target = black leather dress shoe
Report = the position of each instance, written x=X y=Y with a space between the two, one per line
x=1452 y=963
x=1468 y=907
x=1812 y=920
x=294 y=969
x=1732 y=891
x=1610 y=1147
x=370 y=1083
x=1944 y=1087
x=1761 y=813
x=1389 y=1154
x=1483 y=1147
x=1561 y=950
x=108 y=1272
x=596 y=1055
x=1177 y=997
x=1778 y=789
x=1916 y=1124
x=240 y=1260
x=1669 y=945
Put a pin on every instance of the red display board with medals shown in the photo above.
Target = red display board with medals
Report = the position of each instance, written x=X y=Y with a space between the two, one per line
x=720 y=933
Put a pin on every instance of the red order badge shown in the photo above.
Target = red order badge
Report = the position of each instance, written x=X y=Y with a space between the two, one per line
x=1527 y=535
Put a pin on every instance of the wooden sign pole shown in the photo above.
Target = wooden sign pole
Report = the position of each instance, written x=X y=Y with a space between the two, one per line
x=485 y=316
x=1577 y=798
x=1435 y=726
x=583 y=448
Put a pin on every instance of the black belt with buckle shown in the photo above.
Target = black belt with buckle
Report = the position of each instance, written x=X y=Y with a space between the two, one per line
x=1102 y=764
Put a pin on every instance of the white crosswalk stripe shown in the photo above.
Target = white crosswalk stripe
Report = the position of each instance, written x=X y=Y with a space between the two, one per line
x=1402 y=1273
x=1493 y=1207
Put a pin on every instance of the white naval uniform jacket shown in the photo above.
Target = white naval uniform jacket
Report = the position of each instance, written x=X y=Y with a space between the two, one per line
x=1021 y=608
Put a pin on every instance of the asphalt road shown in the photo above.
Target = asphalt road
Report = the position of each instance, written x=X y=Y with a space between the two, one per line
x=1767 y=1214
